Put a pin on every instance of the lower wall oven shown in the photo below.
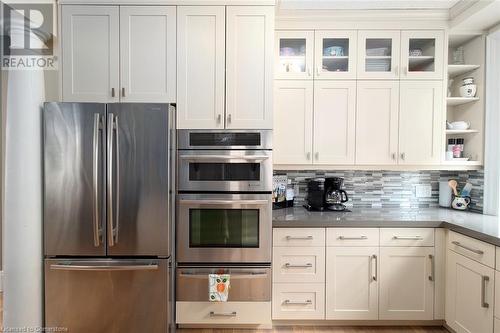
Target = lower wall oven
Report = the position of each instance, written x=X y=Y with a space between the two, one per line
x=224 y=228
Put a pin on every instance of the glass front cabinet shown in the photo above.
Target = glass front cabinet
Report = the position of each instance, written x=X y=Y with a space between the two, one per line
x=335 y=54
x=378 y=54
x=294 y=54
x=422 y=54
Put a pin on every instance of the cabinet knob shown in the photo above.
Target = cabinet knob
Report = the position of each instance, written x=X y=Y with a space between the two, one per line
x=403 y=156
x=317 y=155
x=219 y=118
x=393 y=155
x=308 y=155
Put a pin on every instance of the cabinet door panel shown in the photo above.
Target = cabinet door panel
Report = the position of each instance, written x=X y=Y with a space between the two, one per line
x=378 y=54
x=422 y=54
x=293 y=117
x=420 y=126
x=249 y=42
x=148 y=48
x=294 y=54
x=90 y=53
x=466 y=290
x=200 y=67
x=335 y=54
x=406 y=286
x=334 y=122
x=351 y=283
x=377 y=122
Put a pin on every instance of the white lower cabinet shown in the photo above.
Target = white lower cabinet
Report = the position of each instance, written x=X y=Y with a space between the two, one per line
x=469 y=295
x=352 y=283
x=298 y=301
x=406 y=283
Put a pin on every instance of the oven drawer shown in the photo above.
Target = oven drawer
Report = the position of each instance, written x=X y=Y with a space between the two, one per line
x=299 y=264
x=241 y=313
x=225 y=170
x=298 y=301
x=247 y=284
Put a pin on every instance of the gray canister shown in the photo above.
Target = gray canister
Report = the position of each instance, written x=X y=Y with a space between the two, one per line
x=445 y=194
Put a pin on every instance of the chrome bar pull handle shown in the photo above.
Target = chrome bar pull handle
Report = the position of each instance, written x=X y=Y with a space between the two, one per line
x=223 y=314
x=299 y=237
x=375 y=275
x=229 y=118
x=95 y=179
x=476 y=251
x=112 y=92
x=393 y=156
x=431 y=258
x=109 y=182
x=484 y=279
x=403 y=156
x=407 y=237
x=123 y=92
x=362 y=237
x=289 y=302
x=219 y=118
x=308 y=155
x=288 y=265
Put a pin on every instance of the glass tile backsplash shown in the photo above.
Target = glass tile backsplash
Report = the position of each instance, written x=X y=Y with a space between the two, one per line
x=390 y=189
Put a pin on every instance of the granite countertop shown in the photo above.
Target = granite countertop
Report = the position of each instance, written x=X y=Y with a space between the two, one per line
x=483 y=227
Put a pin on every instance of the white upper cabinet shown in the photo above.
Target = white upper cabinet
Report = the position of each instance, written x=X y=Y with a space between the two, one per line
x=249 y=61
x=335 y=54
x=422 y=54
x=118 y=53
x=377 y=122
x=420 y=125
x=294 y=55
x=406 y=283
x=293 y=121
x=378 y=54
x=334 y=122
x=352 y=283
x=148 y=51
x=200 y=67
x=90 y=54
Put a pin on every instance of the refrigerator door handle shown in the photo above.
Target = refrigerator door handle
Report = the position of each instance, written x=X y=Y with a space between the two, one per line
x=109 y=180
x=117 y=195
x=75 y=266
x=95 y=175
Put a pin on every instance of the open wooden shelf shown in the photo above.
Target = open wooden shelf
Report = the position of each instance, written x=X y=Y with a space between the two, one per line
x=453 y=101
x=468 y=131
x=456 y=70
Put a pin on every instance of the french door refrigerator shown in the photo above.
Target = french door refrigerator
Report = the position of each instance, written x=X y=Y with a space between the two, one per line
x=108 y=212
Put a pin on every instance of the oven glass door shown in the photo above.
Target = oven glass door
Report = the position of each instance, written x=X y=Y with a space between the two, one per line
x=229 y=170
x=224 y=228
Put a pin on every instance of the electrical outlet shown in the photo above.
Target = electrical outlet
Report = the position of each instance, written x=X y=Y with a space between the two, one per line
x=423 y=191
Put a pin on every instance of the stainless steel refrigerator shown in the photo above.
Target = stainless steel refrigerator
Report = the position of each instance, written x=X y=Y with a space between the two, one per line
x=108 y=212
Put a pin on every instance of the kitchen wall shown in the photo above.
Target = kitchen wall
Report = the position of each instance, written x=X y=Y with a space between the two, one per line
x=391 y=189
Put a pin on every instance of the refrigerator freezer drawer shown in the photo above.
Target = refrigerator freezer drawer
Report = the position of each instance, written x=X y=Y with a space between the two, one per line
x=107 y=296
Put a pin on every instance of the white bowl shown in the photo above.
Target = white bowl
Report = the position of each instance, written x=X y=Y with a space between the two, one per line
x=458 y=125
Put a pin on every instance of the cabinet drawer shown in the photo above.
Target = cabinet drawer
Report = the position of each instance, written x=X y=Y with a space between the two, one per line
x=472 y=248
x=352 y=237
x=299 y=237
x=407 y=237
x=497 y=325
x=298 y=301
x=299 y=264
x=249 y=313
x=497 y=298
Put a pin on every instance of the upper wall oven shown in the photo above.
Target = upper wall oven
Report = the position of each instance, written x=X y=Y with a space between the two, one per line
x=229 y=161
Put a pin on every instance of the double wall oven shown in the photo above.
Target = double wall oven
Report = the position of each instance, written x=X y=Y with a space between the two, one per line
x=224 y=197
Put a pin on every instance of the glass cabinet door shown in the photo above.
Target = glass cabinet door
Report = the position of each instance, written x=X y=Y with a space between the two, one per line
x=378 y=54
x=335 y=54
x=422 y=54
x=294 y=54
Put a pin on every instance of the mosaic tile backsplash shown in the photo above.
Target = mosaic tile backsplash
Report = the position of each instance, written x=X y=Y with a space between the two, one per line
x=390 y=189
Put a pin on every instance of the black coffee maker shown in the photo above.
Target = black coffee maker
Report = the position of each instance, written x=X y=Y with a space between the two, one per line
x=326 y=194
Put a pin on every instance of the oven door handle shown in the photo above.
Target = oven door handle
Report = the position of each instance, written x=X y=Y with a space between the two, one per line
x=225 y=158
x=224 y=202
